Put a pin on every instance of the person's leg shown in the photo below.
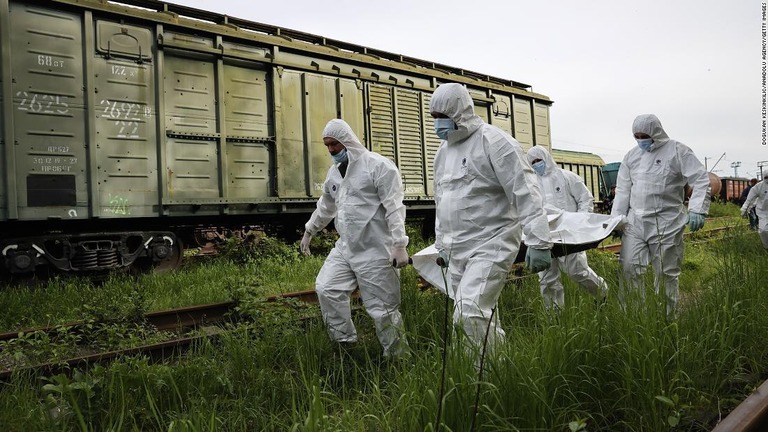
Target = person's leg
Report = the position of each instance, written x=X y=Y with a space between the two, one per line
x=380 y=291
x=762 y=230
x=477 y=294
x=577 y=268
x=634 y=258
x=667 y=251
x=333 y=285
x=550 y=286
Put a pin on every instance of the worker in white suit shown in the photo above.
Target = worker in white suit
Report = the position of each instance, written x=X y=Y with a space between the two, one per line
x=487 y=201
x=649 y=193
x=758 y=197
x=363 y=194
x=566 y=191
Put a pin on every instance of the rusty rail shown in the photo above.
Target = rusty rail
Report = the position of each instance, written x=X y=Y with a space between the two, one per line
x=750 y=415
x=170 y=320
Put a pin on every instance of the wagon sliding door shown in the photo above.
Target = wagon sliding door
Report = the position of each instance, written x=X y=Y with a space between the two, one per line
x=304 y=103
x=215 y=154
x=126 y=147
x=191 y=132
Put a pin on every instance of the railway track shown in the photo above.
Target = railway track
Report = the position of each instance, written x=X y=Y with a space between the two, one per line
x=179 y=320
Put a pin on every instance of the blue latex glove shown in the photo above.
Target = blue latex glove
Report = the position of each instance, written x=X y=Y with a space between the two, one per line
x=538 y=259
x=695 y=221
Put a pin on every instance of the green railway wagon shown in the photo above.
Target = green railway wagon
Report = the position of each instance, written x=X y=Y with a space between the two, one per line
x=131 y=127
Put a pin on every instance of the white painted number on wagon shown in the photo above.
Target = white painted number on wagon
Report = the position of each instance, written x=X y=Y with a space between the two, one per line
x=46 y=60
x=42 y=103
x=126 y=116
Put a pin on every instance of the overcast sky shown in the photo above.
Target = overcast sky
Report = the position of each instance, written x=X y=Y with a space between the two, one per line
x=696 y=64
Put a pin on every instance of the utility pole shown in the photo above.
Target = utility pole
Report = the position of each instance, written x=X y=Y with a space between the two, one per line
x=760 y=165
x=718 y=161
x=735 y=166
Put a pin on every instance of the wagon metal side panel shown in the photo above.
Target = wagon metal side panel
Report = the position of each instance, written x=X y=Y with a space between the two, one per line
x=523 y=122
x=382 y=120
x=6 y=107
x=482 y=112
x=321 y=105
x=247 y=125
x=410 y=151
x=431 y=142
x=191 y=137
x=541 y=125
x=48 y=112
x=351 y=106
x=502 y=113
x=291 y=173
x=304 y=103
x=126 y=142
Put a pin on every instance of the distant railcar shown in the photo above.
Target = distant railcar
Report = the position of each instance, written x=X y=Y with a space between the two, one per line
x=129 y=126
x=589 y=167
x=731 y=188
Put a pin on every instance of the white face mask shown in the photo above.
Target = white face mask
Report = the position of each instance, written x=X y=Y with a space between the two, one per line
x=443 y=126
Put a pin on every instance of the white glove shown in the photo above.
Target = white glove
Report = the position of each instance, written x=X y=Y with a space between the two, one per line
x=743 y=212
x=400 y=257
x=305 y=243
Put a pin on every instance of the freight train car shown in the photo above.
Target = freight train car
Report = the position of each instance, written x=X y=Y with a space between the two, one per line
x=589 y=167
x=731 y=189
x=129 y=126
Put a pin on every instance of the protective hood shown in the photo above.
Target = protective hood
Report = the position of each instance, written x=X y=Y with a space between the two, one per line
x=650 y=125
x=454 y=101
x=539 y=152
x=342 y=132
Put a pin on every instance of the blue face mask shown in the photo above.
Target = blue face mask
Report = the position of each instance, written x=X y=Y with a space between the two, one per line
x=645 y=144
x=540 y=167
x=443 y=126
x=340 y=157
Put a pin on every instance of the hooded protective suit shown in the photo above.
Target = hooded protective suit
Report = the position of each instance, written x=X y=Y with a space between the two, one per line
x=487 y=198
x=565 y=190
x=758 y=197
x=367 y=203
x=650 y=192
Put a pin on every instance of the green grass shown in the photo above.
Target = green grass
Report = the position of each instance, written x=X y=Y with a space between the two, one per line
x=587 y=368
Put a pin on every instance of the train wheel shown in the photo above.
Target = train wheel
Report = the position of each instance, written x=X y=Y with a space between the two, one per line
x=173 y=261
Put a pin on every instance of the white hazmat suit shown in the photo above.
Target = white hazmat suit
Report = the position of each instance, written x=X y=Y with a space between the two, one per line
x=566 y=191
x=487 y=198
x=650 y=192
x=758 y=197
x=367 y=204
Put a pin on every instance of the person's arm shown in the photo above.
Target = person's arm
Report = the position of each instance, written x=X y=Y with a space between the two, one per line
x=436 y=190
x=325 y=211
x=751 y=197
x=521 y=187
x=623 y=190
x=389 y=186
x=697 y=178
x=584 y=200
